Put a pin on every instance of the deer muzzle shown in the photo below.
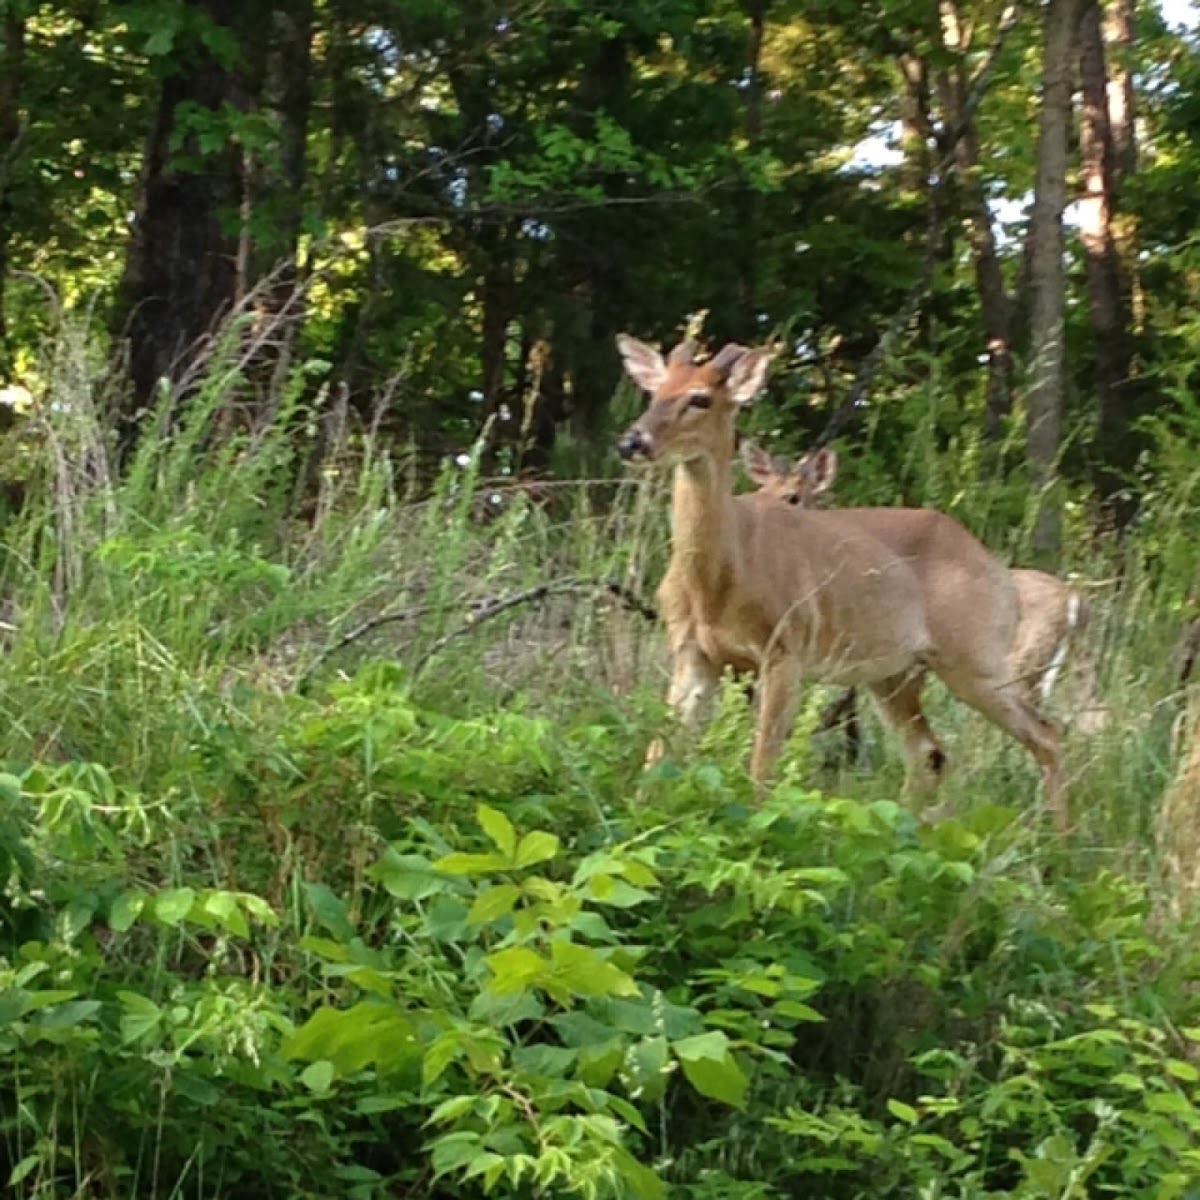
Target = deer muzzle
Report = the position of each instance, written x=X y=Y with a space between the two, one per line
x=635 y=444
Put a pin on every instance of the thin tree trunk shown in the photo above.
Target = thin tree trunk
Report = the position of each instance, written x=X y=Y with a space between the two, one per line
x=12 y=62
x=1117 y=442
x=1048 y=275
x=916 y=125
x=181 y=271
x=748 y=194
x=994 y=303
x=275 y=194
x=1118 y=33
x=1118 y=38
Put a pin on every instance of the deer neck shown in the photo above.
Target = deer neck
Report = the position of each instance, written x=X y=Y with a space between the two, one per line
x=702 y=521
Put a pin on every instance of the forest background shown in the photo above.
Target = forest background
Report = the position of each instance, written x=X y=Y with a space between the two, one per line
x=328 y=864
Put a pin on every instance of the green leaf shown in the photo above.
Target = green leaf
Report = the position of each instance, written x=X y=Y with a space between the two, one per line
x=258 y=908
x=141 y=1016
x=471 y=864
x=126 y=909
x=318 y=1076
x=173 y=905
x=407 y=876
x=23 y=1168
x=454 y=1150
x=451 y=1110
x=330 y=910
x=903 y=1112
x=351 y=1039
x=585 y=972
x=713 y=1045
x=225 y=908
x=797 y=1011
x=1182 y=1070
x=722 y=1081
x=499 y=828
x=10 y=791
x=710 y=1067
x=439 y=1056
x=159 y=43
x=515 y=969
x=494 y=903
x=536 y=847
x=67 y=1016
x=643 y=1182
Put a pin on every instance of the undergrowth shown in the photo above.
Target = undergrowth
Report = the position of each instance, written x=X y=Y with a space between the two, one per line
x=330 y=867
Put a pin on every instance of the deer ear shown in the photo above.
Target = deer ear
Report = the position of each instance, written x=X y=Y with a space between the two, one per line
x=823 y=469
x=748 y=376
x=757 y=463
x=644 y=364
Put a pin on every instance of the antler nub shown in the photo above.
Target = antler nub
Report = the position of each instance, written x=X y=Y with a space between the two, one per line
x=684 y=354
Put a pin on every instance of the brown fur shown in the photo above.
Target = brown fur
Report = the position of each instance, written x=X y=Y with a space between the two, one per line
x=1052 y=612
x=870 y=596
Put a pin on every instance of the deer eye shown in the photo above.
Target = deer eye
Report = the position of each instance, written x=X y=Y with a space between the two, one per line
x=793 y=498
x=699 y=400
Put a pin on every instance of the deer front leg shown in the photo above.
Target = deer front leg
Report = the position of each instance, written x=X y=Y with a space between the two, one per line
x=694 y=679
x=777 y=708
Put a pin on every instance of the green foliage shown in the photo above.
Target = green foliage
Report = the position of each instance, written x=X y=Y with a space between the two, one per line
x=403 y=930
x=325 y=872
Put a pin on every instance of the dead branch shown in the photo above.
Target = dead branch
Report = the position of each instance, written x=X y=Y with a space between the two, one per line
x=480 y=611
x=485 y=610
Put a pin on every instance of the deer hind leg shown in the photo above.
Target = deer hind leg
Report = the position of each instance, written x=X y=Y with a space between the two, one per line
x=898 y=699
x=1007 y=707
x=694 y=679
x=776 y=711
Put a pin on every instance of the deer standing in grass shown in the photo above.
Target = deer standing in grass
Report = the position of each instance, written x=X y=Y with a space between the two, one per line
x=1051 y=612
x=852 y=596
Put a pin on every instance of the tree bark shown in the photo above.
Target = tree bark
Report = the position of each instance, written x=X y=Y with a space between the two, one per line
x=1045 y=402
x=12 y=62
x=1118 y=33
x=1117 y=442
x=273 y=202
x=276 y=188
x=994 y=304
x=181 y=272
x=748 y=194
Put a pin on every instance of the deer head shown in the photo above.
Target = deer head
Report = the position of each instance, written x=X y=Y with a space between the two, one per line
x=692 y=404
x=803 y=482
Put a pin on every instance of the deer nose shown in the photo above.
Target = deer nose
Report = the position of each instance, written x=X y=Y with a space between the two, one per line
x=634 y=443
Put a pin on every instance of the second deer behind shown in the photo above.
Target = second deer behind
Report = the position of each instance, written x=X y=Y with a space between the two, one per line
x=1052 y=612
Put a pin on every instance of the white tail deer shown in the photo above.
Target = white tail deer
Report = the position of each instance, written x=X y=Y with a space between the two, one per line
x=854 y=596
x=1052 y=612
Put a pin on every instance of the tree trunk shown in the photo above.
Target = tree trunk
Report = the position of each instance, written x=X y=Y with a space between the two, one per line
x=1118 y=38
x=994 y=304
x=181 y=273
x=748 y=194
x=12 y=61
x=1118 y=33
x=278 y=180
x=1048 y=275
x=274 y=198
x=1117 y=442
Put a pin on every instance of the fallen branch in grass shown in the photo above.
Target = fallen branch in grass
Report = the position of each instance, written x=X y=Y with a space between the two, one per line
x=480 y=611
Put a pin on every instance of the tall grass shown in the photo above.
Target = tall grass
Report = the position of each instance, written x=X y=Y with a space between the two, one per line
x=141 y=597
x=213 y=680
